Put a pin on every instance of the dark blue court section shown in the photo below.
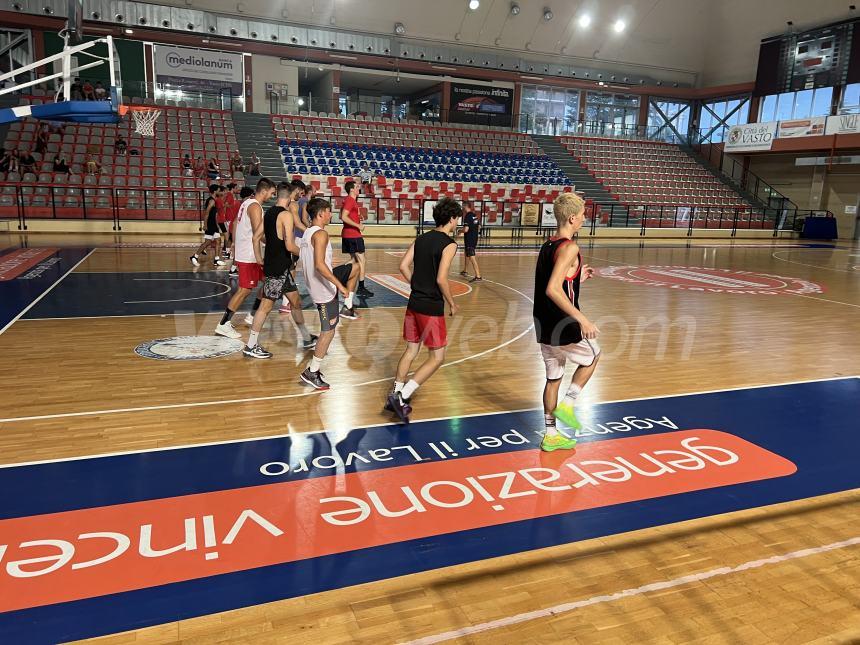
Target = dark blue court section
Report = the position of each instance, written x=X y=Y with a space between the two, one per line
x=815 y=425
x=163 y=293
x=18 y=294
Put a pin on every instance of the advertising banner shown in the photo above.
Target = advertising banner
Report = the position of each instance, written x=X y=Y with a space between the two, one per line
x=751 y=137
x=843 y=124
x=547 y=218
x=813 y=127
x=201 y=70
x=530 y=214
x=481 y=104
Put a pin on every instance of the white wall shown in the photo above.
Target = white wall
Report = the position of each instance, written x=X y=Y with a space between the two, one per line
x=269 y=69
x=736 y=28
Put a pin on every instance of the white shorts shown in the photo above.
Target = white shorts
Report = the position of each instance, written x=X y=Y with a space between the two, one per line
x=211 y=236
x=582 y=353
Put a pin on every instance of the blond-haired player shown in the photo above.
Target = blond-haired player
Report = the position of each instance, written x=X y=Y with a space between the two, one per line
x=563 y=331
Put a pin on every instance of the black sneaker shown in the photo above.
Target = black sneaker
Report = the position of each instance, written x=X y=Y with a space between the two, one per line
x=465 y=274
x=390 y=408
x=364 y=292
x=256 y=352
x=399 y=406
x=203 y=252
x=310 y=344
x=477 y=279
x=348 y=313
x=314 y=379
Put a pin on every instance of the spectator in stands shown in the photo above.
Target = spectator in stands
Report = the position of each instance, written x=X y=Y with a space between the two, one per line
x=13 y=159
x=60 y=164
x=4 y=161
x=213 y=170
x=42 y=138
x=120 y=146
x=236 y=162
x=187 y=166
x=93 y=166
x=100 y=92
x=366 y=176
x=27 y=162
x=89 y=91
x=200 y=168
x=254 y=166
x=77 y=90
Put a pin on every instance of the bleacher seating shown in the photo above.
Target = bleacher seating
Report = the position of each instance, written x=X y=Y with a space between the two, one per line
x=337 y=147
x=650 y=172
x=123 y=178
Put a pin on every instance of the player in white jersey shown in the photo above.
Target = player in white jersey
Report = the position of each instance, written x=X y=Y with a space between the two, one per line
x=324 y=283
x=247 y=255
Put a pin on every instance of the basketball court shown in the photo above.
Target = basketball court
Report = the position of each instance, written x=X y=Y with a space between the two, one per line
x=710 y=490
x=161 y=487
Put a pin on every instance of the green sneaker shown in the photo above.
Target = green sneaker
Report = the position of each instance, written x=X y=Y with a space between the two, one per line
x=557 y=442
x=564 y=413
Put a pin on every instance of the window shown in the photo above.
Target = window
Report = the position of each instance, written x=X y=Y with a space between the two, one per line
x=611 y=114
x=850 y=99
x=548 y=110
x=796 y=105
x=717 y=116
x=677 y=116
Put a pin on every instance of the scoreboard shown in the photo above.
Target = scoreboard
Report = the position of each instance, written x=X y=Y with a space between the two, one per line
x=820 y=57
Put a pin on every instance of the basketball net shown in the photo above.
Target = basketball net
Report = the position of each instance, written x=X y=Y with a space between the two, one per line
x=144 y=120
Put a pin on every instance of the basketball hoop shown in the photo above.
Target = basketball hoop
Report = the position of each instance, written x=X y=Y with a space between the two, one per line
x=144 y=120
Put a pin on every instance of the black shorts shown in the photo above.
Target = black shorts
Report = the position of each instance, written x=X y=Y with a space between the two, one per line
x=294 y=261
x=276 y=286
x=341 y=272
x=222 y=227
x=211 y=231
x=352 y=245
x=470 y=251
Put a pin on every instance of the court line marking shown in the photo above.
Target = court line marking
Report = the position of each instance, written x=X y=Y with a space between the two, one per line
x=568 y=607
x=217 y=312
x=838 y=302
x=214 y=295
x=815 y=266
x=44 y=293
x=172 y=406
x=285 y=435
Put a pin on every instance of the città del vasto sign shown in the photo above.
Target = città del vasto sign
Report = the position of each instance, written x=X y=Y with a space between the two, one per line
x=751 y=137
x=201 y=70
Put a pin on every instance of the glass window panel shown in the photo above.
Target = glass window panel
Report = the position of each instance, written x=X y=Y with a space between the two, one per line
x=768 y=109
x=821 y=101
x=543 y=93
x=802 y=104
x=785 y=107
x=706 y=121
x=851 y=96
x=529 y=91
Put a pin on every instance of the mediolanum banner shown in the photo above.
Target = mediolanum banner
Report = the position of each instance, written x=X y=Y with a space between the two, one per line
x=202 y=70
x=751 y=137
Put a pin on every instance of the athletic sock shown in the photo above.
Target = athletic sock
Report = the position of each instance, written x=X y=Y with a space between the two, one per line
x=348 y=302
x=409 y=389
x=303 y=330
x=252 y=338
x=256 y=306
x=227 y=316
x=572 y=394
x=398 y=386
x=315 y=365
x=549 y=424
x=361 y=284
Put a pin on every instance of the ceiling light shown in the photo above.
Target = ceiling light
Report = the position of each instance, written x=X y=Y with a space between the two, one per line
x=547 y=14
x=399 y=28
x=584 y=20
x=619 y=26
x=474 y=4
x=129 y=31
x=301 y=101
x=515 y=9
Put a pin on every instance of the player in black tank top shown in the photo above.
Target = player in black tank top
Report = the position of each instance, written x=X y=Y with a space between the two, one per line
x=426 y=265
x=276 y=267
x=563 y=332
x=211 y=236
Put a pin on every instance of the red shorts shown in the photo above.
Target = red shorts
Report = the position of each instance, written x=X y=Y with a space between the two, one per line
x=250 y=274
x=421 y=328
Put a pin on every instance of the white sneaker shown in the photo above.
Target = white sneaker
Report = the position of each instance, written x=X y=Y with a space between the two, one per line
x=249 y=320
x=195 y=261
x=227 y=330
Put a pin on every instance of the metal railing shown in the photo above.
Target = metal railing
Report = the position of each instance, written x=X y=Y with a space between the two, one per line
x=741 y=178
x=30 y=202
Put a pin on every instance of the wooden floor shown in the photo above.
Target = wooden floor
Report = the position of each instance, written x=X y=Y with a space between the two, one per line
x=75 y=388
